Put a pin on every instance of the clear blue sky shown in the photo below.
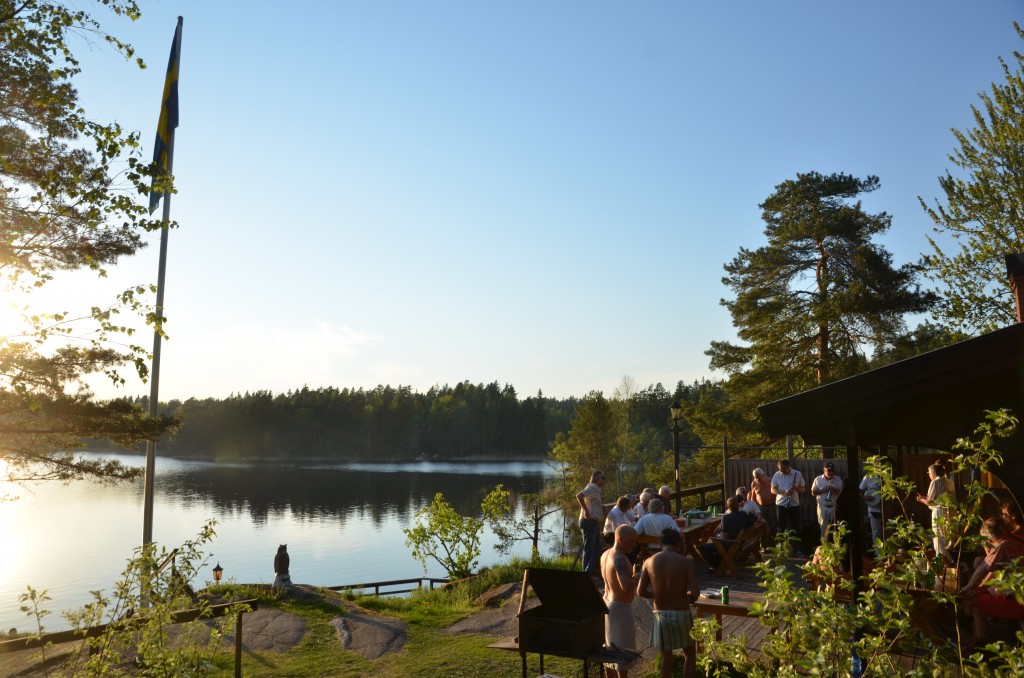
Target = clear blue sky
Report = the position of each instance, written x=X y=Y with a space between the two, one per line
x=535 y=193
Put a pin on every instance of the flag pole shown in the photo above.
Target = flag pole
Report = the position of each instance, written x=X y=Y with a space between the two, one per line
x=154 y=373
x=163 y=156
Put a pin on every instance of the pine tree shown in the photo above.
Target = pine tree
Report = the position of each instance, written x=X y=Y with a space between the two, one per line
x=809 y=302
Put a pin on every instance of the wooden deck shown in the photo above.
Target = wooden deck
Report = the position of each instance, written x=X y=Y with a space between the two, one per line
x=746 y=580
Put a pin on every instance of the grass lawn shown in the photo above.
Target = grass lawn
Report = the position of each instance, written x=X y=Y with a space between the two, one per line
x=429 y=651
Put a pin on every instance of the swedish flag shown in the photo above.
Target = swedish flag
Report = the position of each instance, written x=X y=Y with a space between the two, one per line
x=162 y=148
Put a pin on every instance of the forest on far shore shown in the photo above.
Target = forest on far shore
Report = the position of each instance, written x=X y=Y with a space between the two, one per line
x=464 y=421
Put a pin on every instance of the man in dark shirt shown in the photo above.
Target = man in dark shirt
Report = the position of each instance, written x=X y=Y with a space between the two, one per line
x=734 y=520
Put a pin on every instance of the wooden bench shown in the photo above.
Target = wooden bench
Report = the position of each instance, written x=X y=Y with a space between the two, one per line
x=700 y=534
x=751 y=546
x=739 y=605
x=727 y=550
x=736 y=551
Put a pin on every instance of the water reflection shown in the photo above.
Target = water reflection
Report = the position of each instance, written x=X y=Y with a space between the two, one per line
x=340 y=494
x=343 y=524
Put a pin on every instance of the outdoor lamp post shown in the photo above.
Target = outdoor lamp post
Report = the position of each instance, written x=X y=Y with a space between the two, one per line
x=218 y=572
x=676 y=410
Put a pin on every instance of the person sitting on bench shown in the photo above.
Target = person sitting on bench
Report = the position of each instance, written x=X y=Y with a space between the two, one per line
x=982 y=601
x=734 y=521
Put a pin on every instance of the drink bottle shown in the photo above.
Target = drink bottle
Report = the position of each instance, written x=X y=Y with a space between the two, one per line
x=856 y=665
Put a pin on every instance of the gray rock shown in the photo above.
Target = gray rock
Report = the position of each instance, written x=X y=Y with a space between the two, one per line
x=370 y=635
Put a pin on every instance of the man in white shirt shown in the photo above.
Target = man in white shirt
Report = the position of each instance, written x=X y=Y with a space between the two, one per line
x=618 y=515
x=826 y=489
x=787 y=486
x=656 y=521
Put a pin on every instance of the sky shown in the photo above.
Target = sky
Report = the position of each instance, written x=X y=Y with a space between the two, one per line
x=541 y=194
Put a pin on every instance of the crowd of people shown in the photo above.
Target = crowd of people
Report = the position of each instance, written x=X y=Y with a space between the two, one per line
x=669 y=578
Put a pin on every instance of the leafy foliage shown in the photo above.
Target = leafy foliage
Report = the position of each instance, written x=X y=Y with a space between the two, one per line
x=63 y=207
x=139 y=617
x=815 y=634
x=983 y=210
x=440 y=534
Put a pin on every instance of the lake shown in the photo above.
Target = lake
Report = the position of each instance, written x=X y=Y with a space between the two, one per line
x=342 y=523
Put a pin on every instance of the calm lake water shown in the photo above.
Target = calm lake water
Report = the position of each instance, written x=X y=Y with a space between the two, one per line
x=343 y=524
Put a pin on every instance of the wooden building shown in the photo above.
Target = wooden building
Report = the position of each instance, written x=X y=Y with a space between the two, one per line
x=929 y=400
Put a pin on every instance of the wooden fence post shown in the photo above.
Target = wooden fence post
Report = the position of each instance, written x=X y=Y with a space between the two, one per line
x=238 y=646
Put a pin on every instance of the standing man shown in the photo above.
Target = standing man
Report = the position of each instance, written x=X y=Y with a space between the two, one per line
x=826 y=489
x=670 y=580
x=619 y=591
x=761 y=492
x=591 y=518
x=787 y=486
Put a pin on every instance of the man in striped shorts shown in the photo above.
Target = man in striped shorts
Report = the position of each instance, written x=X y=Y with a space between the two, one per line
x=669 y=579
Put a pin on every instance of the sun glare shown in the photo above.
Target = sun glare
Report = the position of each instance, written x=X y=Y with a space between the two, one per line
x=12 y=322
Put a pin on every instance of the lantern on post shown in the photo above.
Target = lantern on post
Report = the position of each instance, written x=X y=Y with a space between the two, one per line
x=676 y=412
x=218 y=572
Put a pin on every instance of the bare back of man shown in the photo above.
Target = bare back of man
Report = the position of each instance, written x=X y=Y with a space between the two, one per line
x=669 y=579
x=619 y=591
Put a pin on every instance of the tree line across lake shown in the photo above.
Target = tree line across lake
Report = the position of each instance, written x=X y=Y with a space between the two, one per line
x=387 y=423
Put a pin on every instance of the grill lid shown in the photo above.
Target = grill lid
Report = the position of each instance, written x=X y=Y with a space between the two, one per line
x=564 y=589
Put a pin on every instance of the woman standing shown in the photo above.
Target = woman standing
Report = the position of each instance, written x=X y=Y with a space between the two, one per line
x=940 y=486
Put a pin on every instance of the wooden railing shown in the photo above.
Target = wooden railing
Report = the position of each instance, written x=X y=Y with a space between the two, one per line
x=30 y=642
x=376 y=586
x=703 y=491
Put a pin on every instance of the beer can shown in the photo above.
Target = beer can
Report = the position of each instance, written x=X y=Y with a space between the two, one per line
x=725 y=595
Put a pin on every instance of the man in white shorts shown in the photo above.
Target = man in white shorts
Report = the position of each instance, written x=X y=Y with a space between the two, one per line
x=619 y=592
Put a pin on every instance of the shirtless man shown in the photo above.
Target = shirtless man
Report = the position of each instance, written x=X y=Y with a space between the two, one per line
x=670 y=579
x=619 y=592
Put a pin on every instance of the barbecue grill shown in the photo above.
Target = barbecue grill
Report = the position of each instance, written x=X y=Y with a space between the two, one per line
x=569 y=622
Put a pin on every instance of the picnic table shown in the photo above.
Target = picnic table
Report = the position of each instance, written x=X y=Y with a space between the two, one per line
x=738 y=606
x=697 y=533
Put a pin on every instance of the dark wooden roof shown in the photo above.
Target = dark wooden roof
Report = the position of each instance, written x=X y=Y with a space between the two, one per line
x=928 y=400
